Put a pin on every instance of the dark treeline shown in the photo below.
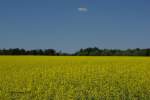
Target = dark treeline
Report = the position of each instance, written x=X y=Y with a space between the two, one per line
x=18 y=51
x=82 y=52
x=112 y=52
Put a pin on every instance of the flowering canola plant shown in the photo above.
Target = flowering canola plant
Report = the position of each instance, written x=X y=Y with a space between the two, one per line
x=74 y=78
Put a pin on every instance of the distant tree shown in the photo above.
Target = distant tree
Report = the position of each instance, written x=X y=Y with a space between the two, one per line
x=50 y=52
x=82 y=52
x=147 y=52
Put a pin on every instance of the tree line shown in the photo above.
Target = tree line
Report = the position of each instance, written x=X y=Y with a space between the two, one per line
x=113 y=52
x=82 y=52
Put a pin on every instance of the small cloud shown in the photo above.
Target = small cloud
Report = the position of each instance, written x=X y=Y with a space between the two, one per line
x=82 y=9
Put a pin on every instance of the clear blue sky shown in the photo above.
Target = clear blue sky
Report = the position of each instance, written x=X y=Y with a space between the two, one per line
x=59 y=24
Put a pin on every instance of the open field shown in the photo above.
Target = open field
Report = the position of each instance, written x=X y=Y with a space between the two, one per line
x=74 y=78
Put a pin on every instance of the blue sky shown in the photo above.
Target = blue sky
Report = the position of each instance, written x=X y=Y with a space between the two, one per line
x=69 y=25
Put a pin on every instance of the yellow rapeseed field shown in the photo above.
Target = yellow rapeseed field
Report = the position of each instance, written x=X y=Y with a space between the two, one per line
x=74 y=78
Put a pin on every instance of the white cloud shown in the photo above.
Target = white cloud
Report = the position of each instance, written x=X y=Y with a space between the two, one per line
x=82 y=9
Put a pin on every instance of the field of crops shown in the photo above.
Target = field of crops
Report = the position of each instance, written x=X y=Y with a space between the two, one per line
x=74 y=78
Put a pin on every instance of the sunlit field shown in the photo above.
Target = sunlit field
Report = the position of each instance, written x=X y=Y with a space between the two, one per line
x=74 y=78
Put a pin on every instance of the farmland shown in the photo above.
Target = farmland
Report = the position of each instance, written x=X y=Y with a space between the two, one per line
x=74 y=78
